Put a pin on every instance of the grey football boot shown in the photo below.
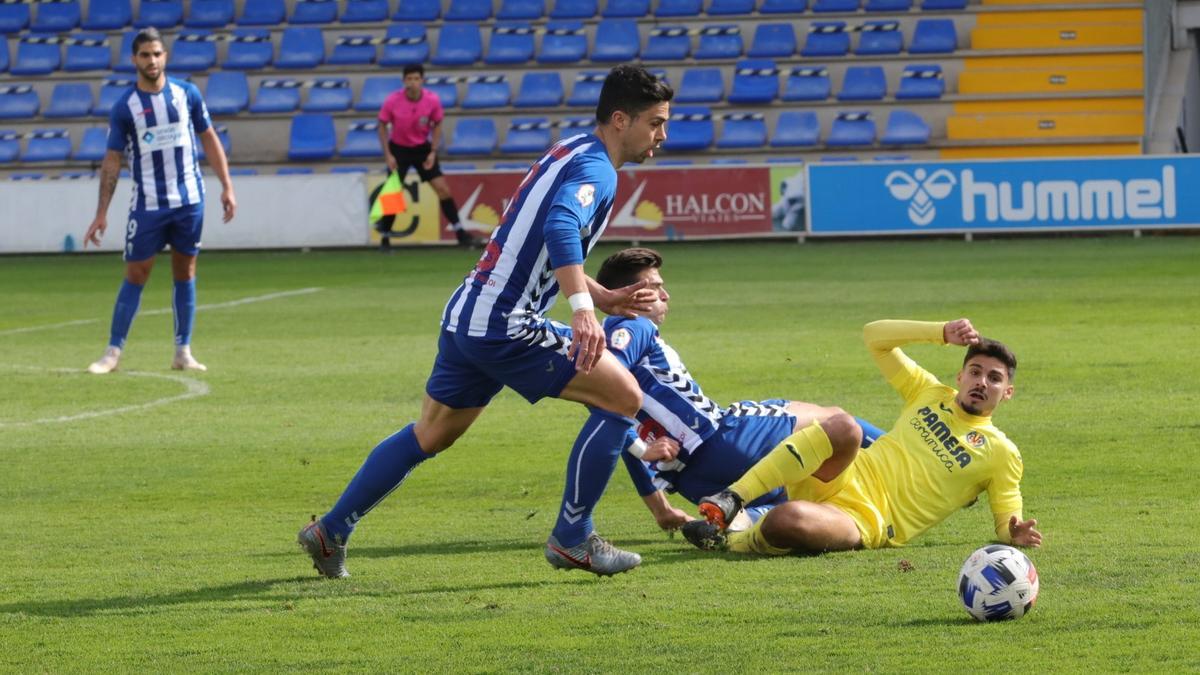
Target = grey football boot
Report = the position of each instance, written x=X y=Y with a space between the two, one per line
x=594 y=555
x=704 y=535
x=328 y=553
x=720 y=509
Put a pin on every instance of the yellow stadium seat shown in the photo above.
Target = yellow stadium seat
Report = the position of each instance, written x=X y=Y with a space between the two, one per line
x=1044 y=125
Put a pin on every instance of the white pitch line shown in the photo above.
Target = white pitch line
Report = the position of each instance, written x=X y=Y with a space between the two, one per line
x=195 y=388
x=219 y=305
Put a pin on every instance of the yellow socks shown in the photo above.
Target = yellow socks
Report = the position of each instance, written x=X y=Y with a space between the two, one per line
x=752 y=541
x=793 y=460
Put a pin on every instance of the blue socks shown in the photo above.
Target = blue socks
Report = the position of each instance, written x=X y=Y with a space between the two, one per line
x=129 y=298
x=184 y=304
x=383 y=471
x=871 y=433
x=589 y=467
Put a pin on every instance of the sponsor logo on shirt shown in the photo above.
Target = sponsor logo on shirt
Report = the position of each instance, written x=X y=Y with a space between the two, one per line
x=941 y=441
x=586 y=195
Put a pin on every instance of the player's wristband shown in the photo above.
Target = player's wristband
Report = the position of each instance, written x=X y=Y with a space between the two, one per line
x=581 y=301
x=637 y=448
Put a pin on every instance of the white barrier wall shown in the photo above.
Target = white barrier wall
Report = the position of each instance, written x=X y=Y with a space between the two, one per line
x=273 y=212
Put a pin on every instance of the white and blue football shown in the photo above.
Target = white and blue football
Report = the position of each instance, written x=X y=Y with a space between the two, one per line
x=998 y=582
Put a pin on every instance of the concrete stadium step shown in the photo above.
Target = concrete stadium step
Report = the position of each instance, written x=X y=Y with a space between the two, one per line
x=1123 y=147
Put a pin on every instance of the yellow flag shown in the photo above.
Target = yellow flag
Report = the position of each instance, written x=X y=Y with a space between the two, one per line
x=390 y=199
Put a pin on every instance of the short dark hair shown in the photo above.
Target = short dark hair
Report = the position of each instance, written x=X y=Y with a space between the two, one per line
x=414 y=68
x=623 y=267
x=996 y=350
x=630 y=89
x=149 y=34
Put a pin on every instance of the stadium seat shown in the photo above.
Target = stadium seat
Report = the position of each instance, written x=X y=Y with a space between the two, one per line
x=826 y=38
x=159 y=13
x=209 y=14
x=4 y=57
x=852 y=128
x=418 y=10
x=783 y=6
x=47 y=145
x=743 y=130
x=312 y=137
x=301 y=48
x=773 y=40
x=14 y=17
x=586 y=90
x=564 y=42
x=844 y=6
x=314 y=11
x=510 y=43
x=365 y=11
x=921 y=81
x=375 y=90
x=754 y=81
x=539 y=90
x=249 y=49
x=487 y=91
x=93 y=146
x=626 y=9
x=10 y=145
x=445 y=87
x=362 y=140
x=27 y=175
x=879 y=37
x=88 y=51
x=123 y=62
x=106 y=15
x=941 y=5
x=111 y=88
x=667 y=43
x=573 y=9
x=888 y=5
x=807 y=84
x=227 y=93
x=526 y=135
x=403 y=44
x=457 y=167
x=677 y=8
x=262 y=13
x=572 y=126
x=328 y=94
x=796 y=128
x=933 y=36
x=243 y=171
x=469 y=10
x=863 y=83
x=905 y=128
x=691 y=129
x=18 y=101
x=194 y=50
x=352 y=50
x=722 y=41
x=70 y=99
x=74 y=175
x=37 y=54
x=729 y=7
x=458 y=44
x=277 y=96
x=519 y=10
x=56 y=17
x=617 y=40
x=354 y=169
x=473 y=137
x=701 y=85
x=295 y=170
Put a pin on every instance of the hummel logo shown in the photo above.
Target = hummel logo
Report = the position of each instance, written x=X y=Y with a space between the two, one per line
x=921 y=190
x=696 y=424
x=550 y=367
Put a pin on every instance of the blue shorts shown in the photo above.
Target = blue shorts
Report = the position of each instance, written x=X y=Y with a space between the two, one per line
x=149 y=231
x=469 y=371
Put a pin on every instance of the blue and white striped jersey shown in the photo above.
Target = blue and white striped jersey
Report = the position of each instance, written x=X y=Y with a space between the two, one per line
x=157 y=133
x=557 y=214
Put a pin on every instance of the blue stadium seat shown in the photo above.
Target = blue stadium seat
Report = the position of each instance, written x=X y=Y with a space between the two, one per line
x=418 y=10
x=10 y=145
x=312 y=137
x=921 y=81
x=159 y=13
x=586 y=91
x=935 y=5
x=796 y=128
x=473 y=137
x=354 y=169
x=743 y=130
x=729 y=7
x=510 y=43
x=773 y=40
x=27 y=175
x=617 y=40
x=228 y=92
x=209 y=14
x=403 y=44
x=70 y=99
x=74 y=175
x=353 y=50
x=727 y=160
x=526 y=135
x=933 y=36
x=564 y=42
x=56 y=17
x=362 y=140
x=754 y=81
x=510 y=166
x=314 y=11
x=845 y=6
x=262 y=13
x=328 y=94
x=194 y=50
x=301 y=48
x=863 y=83
x=458 y=44
x=18 y=101
x=783 y=6
x=572 y=126
x=222 y=136
x=691 y=128
x=888 y=5
x=701 y=85
x=487 y=91
x=667 y=43
x=539 y=90
x=469 y=10
x=243 y=171
x=123 y=61
x=445 y=87
x=47 y=145
x=826 y=38
x=249 y=49
x=631 y=9
x=680 y=8
x=457 y=167
x=14 y=17
x=852 y=128
x=4 y=57
x=107 y=15
x=37 y=54
x=88 y=51
x=295 y=170
x=277 y=95
x=375 y=90
x=110 y=89
x=93 y=146
x=879 y=37
x=573 y=9
x=511 y=10
x=905 y=128
x=722 y=41
x=365 y=11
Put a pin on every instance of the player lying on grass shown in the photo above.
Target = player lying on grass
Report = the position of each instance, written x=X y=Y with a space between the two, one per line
x=703 y=446
x=941 y=454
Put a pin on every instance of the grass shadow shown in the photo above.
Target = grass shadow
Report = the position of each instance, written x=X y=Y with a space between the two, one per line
x=75 y=607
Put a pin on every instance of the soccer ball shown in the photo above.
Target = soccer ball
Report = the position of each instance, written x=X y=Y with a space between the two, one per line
x=998 y=582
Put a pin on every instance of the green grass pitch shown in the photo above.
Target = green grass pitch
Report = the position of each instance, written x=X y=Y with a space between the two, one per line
x=149 y=522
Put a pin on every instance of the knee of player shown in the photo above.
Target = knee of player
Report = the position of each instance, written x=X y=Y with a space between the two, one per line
x=628 y=401
x=844 y=433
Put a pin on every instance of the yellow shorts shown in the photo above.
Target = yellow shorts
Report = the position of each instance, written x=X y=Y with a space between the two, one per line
x=855 y=493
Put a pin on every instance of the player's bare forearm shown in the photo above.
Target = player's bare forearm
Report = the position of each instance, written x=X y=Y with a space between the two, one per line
x=668 y=517
x=216 y=157
x=110 y=172
x=628 y=301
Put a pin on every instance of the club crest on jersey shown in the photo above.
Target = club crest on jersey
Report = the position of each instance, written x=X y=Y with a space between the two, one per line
x=586 y=195
x=621 y=338
x=975 y=439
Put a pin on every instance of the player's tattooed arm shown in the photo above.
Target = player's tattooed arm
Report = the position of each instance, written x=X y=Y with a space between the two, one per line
x=110 y=172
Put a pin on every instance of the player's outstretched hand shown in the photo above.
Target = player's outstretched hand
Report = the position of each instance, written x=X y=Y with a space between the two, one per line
x=627 y=301
x=1024 y=533
x=661 y=449
x=587 y=340
x=671 y=518
x=229 y=204
x=95 y=231
x=960 y=332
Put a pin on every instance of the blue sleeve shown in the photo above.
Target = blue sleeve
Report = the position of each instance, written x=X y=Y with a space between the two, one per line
x=198 y=111
x=585 y=187
x=119 y=123
x=637 y=469
x=629 y=339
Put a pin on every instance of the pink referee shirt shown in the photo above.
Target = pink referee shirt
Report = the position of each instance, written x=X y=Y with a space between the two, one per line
x=411 y=120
